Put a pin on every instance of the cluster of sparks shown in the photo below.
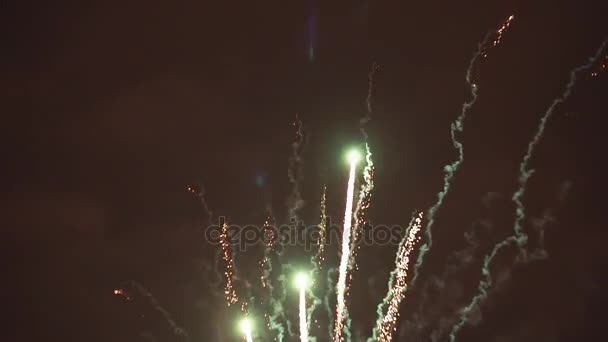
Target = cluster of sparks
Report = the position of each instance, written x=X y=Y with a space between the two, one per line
x=320 y=256
x=270 y=239
x=229 y=291
x=499 y=34
x=399 y=280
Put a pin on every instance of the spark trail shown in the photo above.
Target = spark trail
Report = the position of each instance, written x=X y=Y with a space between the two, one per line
x=397 y=284
x=318 y=259
x=344 y=258
x=229 y=291
x=320 y=256
x=519 y=237
x=457 y=127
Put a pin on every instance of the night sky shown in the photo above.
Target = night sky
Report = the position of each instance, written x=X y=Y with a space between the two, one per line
x=110 y=109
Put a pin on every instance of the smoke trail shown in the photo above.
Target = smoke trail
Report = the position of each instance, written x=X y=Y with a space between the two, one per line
x=326 y=301
x=294 y=172
x=344 y=258
x=153 y=303
x=457 y=127
x=397 y=284
x=519 y=238
x=270 y=239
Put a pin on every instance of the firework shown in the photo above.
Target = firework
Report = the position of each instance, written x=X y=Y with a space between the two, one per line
x=353 y=158
x=229 y=291
x=121 y=293
x=498 y=35
x=387 y=323
x=302 y=283
x=320 y=256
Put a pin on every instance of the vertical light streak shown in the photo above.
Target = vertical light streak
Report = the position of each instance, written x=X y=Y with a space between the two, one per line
x=229 y=290
x=303 y=320
x=348 y=217
x=320 y=256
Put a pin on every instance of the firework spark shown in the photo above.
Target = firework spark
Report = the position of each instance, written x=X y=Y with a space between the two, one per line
x=387 y=322
x=121 y=293
x=229 y=291
x=498 y=36
x=348 y=218
x=320 y=256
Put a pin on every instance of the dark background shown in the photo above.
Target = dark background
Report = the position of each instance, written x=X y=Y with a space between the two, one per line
x=110 y=109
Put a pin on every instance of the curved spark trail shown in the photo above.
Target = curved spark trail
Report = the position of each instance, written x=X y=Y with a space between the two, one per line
x=519 y=237
x=341 y=286
x=397 y=283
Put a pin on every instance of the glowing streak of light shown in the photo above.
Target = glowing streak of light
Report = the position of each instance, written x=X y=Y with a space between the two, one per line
x=341 y=286
x=398 y=283
x=229 y=291
x=303 y=318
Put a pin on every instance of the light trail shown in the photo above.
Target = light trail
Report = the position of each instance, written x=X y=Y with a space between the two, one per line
x=353 y=158
x=302 y=283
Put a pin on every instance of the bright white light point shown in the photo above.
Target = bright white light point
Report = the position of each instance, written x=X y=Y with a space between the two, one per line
x=246 y=326
x=353 y=156
x=302 y=280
